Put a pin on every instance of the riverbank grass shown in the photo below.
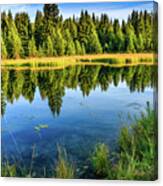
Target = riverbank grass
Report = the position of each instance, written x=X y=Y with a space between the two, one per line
x=96 y=58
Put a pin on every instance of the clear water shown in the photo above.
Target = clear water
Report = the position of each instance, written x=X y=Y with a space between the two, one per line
x=81 y=105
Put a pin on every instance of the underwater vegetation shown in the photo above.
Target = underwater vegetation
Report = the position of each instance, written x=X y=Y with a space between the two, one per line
x=134 y=159
x=40 y=126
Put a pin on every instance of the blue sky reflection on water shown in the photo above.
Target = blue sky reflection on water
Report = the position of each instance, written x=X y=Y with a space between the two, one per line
x=93 y=117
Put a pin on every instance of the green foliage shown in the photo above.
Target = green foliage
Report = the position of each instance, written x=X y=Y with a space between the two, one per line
x=83 y=49
x=11 y=37
x=63 y=169
x=130 y=39
x=119 y=39
x=40 y=52
x=137 y=78
x=139 y=43
x=58 y=42
x=38 y=29
x=69 y=44
x=94 y=45
x=24 y=29
x=78 y=48
x=8 y=170
x=137 y=155
x=111 y=38
x=32 y=48
x=71 y=25
x=3 y=103
x=138 y=149
x=54 y=36
x=14 y=45
x=3 y=49
x=51 y=14
x=48 y=46
x=100 y=160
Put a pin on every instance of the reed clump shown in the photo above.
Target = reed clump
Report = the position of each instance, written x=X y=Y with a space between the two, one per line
x=100 y=160
x=64 y=168
x=138 y=149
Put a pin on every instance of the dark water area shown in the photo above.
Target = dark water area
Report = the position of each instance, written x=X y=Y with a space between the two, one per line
x=76 y=107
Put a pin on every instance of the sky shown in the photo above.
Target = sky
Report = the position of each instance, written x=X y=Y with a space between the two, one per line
x=119 y=10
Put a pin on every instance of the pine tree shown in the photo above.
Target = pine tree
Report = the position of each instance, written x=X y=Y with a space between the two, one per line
x=32 y=48
x=51 y=14
x=84 y=28
x=14 y=46
x=13 y=41
x=123 y=27
x=148 y=31
x=72 y=27
x=94 y=45
x=4 y=25
x=40 y=52
x=88 y=34
x=135 y=21
x=69 y=44
x=50 y=35
x=110 y=40
x=3 y=49
x=78 y=48
x=139 y=43
x=130 y=38
x=58 y=42
x=119 y=38
x=83 y=49
x=38 y=29
x=48 y=46
x=23 y=25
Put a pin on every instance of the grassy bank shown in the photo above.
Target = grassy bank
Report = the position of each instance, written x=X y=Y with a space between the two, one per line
x=135 y=158
x=110 y=58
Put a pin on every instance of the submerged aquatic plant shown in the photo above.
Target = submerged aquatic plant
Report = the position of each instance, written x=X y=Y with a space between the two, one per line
x=8 y=170
x=40 y=126
x=14 y=169
x=64 y=168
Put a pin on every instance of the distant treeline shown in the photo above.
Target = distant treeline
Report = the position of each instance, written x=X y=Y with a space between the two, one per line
x=50 y=35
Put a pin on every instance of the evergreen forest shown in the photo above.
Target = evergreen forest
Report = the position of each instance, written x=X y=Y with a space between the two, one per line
x=51 y=35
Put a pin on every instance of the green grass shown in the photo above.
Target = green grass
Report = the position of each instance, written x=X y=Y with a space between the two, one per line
x=100 y=160
x=64 y=169
x=136 y=158
x=138 y=149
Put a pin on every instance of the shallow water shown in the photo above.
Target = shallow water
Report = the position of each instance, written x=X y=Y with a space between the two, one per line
x=79 y=106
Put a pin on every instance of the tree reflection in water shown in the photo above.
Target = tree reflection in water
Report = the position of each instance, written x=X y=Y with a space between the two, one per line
x=52 y=83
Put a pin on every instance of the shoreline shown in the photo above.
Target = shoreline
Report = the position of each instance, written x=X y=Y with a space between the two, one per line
x=72 y=59
x=61 y=67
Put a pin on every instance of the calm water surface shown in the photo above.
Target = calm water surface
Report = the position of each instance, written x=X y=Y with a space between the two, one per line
x=80 y=106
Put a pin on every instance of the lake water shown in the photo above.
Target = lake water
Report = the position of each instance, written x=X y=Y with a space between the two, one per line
x=78 y=106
